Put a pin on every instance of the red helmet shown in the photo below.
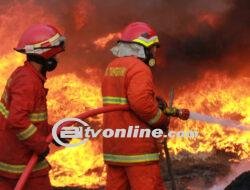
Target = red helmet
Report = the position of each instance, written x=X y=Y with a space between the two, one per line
x=141 y=33
x=41 y=39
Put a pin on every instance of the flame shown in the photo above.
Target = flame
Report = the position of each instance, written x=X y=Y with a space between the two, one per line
x=82 y=165
x=81 y=13
x=69 y=95
x=8 y=64
x=214 y=94
x=219 y=96
x=10 y=26
x=103 y=41
x=209 y=18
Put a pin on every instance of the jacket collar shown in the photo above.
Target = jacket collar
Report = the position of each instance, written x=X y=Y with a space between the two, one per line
x=128 y=49
x=35 y=71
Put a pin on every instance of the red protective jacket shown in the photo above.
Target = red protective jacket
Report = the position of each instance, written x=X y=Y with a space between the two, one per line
x=23 y=122
x=129 y=81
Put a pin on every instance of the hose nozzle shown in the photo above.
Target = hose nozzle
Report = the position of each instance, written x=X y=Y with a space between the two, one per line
x=183 y=114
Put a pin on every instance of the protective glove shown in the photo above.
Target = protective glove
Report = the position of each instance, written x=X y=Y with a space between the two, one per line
x=174 y=112
x=180 y=113
x=43 y=155
x=162 y=104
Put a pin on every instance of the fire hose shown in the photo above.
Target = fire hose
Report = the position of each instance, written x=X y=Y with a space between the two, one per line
x=33 y=160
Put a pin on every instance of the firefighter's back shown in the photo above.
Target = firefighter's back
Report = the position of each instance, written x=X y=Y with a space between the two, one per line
x=124 y=150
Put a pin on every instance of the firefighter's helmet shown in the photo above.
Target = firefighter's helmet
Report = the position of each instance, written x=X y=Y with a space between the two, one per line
x=141 y=33
x=41 y=39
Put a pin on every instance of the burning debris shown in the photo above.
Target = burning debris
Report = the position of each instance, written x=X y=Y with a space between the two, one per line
x=207 y=51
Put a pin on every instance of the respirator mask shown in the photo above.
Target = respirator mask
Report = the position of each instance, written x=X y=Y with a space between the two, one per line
x=47 y=64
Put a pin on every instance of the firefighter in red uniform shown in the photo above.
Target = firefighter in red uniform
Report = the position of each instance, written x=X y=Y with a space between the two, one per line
x=23 y=110
x=133 y=163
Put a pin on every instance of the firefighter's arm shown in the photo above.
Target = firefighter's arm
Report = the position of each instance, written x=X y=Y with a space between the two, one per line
x=23 y=93
x=142 y=99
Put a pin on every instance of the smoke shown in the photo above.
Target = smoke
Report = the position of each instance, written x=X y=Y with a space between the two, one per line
x=221 y=46
x=195 y=35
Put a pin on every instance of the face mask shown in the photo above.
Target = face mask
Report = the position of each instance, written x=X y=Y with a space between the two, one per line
x=47 y=64
x=50 y=64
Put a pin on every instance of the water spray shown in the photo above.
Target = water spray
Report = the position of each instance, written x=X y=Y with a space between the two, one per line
x=223 y=122
x=185 y=114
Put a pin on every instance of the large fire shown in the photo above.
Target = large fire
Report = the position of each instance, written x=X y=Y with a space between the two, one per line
x=83 y=166
x=70 y=94
x=219 y=96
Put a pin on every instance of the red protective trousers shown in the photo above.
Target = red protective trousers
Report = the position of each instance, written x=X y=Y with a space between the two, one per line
x=40 y=182
x=137 y=177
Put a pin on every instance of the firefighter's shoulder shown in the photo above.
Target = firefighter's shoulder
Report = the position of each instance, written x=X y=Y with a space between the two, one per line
x=23 y=76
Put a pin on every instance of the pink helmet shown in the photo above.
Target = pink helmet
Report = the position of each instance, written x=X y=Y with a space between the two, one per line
x=41 y=39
